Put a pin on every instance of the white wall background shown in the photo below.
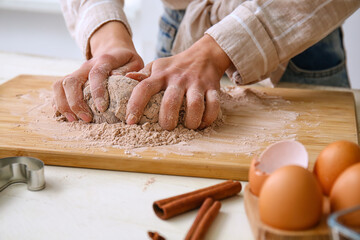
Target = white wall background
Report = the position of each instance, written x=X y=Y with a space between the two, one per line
x=37 y=27
x=351 y=29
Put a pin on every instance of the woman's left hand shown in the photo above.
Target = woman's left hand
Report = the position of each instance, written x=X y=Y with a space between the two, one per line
x=194 y=73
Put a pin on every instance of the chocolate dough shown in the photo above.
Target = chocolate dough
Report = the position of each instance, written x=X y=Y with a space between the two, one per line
x=120 y=88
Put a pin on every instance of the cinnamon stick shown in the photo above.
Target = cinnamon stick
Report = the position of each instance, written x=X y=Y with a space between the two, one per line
x=206 y=215
x=155 y=236
x=173 y=206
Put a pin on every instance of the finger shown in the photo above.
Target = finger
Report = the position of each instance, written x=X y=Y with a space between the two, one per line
x=129 y=67
x=60 y=101
x=170 y=107
x=72 y=86
x=142 y=74
x=194 y=108
x=98 y=84
x=212 y=108
x=140 y=97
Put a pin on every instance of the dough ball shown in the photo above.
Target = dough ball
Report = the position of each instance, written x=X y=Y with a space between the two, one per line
x=120 y=88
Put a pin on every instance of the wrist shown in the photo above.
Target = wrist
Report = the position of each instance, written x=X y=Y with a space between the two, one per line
x=111 y=35
x=213 y=52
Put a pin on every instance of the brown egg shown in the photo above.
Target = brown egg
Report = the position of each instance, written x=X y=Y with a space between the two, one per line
x=333 y=160
x=272 y=158
x=291 y=199
x=346 y=193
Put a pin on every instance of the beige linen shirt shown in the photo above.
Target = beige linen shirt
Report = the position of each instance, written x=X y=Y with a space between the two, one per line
x=259 y=36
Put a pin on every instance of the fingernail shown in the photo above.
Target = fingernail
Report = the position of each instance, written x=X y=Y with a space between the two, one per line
x=86 y=117
x=131 y=119
x=137 y=76
x=70 y=117
x=101 y=104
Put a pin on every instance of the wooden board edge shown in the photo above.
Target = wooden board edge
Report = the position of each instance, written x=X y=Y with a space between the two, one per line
x=128 y=164
x=357 y=118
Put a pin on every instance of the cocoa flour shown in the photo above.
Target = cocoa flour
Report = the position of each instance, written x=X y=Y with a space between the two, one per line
x=249 y=117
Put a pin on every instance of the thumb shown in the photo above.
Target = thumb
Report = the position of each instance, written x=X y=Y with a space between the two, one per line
x=142 y=74
x=129 y=67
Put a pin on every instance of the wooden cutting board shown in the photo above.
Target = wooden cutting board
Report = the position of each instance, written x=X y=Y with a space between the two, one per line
x=322 y=117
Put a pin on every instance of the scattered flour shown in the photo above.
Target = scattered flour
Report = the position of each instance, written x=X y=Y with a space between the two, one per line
x=250 y=119
x=148 y=183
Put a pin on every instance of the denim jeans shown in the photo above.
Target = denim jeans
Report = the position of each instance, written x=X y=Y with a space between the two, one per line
x=322 y=64
x=168 y=26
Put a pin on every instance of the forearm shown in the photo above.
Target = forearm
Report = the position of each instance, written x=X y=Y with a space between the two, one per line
x=83 y=18
x=111 y=35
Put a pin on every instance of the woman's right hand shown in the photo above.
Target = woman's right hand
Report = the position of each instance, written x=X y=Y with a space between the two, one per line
x=113 y=52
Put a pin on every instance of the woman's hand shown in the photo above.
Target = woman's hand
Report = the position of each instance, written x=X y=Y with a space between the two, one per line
x=194 y=73
x=112 y=53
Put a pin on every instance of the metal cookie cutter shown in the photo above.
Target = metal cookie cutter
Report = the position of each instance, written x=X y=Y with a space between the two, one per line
x=22 y=170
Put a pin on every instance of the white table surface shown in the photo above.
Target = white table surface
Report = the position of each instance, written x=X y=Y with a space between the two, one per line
x=97 y=204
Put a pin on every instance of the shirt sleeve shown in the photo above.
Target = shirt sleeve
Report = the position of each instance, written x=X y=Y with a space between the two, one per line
x=84 y=17
x=261 y=34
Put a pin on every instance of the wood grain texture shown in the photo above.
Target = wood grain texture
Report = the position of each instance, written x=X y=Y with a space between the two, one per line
x=262 y=231
x=332 y=113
